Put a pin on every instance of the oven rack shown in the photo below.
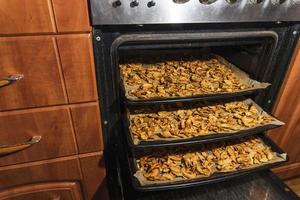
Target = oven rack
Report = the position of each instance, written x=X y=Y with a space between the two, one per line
x=196 y=98
x=201 y=181
x=194 y=140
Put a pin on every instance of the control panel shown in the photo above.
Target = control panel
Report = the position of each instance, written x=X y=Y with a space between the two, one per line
x=106 y=12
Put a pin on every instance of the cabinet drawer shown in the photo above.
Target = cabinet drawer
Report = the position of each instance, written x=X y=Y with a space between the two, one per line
x=61 y=169
x=44 y=191
x=36 y=58
x=54 y=125
x=57 y=70
x=26 y=16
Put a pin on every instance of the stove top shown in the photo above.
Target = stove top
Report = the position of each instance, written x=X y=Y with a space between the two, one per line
x=116 y=12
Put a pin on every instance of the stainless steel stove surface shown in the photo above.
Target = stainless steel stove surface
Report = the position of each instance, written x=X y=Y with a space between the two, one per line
x=109 y=12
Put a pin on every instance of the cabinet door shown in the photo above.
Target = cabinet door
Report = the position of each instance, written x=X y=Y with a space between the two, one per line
x=94 y=176
x=71 y=15
x=77 y=62
x=53 y=125
x=36 y=58
x=26 y=16
x=87 y=125
x=44 y=191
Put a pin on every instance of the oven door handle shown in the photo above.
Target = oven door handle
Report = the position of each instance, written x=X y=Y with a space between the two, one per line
x=8 y=149
x=8 y=80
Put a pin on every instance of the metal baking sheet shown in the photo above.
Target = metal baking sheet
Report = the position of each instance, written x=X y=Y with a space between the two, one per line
x=243 y=77
x=217 y=177
x=210 y=137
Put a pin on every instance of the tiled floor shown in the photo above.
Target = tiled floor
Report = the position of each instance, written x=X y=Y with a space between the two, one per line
x=294 y=183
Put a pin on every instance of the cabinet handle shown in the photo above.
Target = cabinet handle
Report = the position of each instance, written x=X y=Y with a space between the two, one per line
x=8 y=80
x=8 y=149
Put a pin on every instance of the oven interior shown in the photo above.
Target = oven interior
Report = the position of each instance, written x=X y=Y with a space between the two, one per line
x=251 y=55
x=263 y=58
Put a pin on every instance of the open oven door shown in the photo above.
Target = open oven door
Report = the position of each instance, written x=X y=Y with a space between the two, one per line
x=264 y=185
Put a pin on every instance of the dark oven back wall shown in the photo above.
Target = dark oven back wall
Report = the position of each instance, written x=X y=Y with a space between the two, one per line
x=108 y=41
x=252 y=57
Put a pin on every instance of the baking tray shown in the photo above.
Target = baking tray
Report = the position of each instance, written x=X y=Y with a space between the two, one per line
x=199 y=139
x=206 y=97
x=218 y=177
x=244 y=77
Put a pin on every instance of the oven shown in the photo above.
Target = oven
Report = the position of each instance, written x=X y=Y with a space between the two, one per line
x=256 y=37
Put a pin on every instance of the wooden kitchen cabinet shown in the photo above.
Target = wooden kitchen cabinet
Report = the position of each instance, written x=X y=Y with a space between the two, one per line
x=78 y=67
x=56 y=70
x=52 y=114
x=87 y=126
x=71 y=15
x=35 y=57
x=287 y=109
x=53 y=124
x=55 y=170
x=44 y=191
x=26 y=16
x=43 y=16
x=94 y=174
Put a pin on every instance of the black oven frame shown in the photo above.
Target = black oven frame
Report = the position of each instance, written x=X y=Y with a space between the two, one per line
x=107 y=39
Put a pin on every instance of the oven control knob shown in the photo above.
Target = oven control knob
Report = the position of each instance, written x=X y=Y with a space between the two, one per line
x=256 y=1
x=297 y=2
x=231 y=1
x=134 y=3
x=277 y=2
x=116 y=3
x=207 y=2
x=180 y=1
x=151 y=4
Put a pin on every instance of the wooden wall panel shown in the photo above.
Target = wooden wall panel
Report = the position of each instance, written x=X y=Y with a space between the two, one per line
x=288 y=171
x=291 y=141
x=93 y=171
x=71 y=15
x=26 y=16
x=36 y=58
x=287 y=109
x=86 y=119
x=53 y=124
x=44 y=171
x=78 y=67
